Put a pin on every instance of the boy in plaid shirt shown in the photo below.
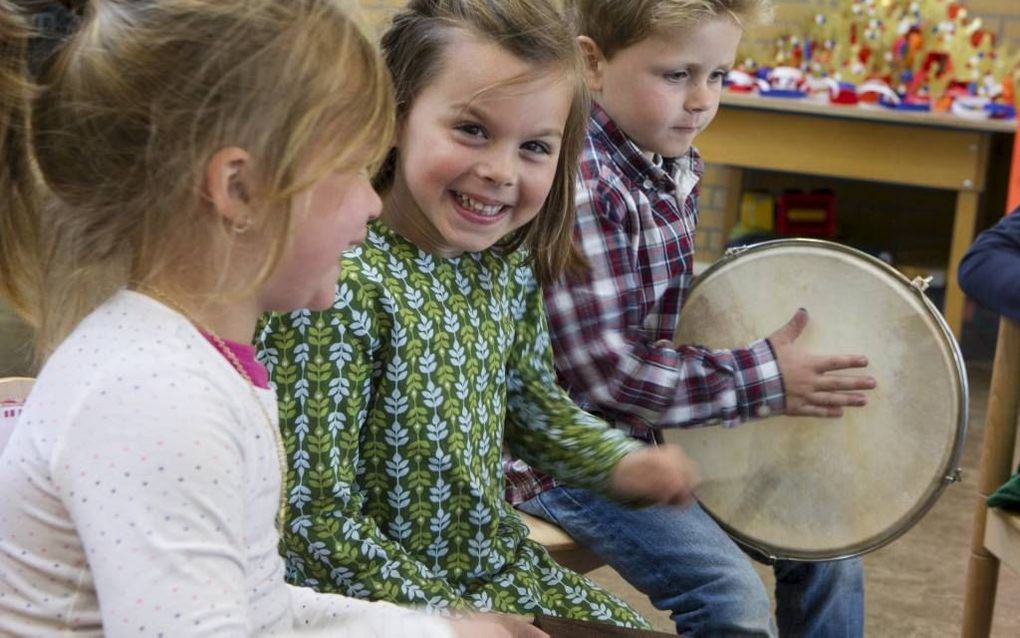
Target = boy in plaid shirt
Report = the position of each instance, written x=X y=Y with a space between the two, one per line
x=656 y=68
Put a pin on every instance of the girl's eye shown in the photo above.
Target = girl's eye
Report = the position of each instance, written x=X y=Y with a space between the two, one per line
x=540 y=148
x=676 y=76
x=472 y=130
x=718 y=76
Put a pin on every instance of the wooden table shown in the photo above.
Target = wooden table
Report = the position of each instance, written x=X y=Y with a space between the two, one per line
x=915 y=149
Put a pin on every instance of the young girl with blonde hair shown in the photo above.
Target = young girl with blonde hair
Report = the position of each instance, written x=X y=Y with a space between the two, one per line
x=396 y=401
x=182 y=167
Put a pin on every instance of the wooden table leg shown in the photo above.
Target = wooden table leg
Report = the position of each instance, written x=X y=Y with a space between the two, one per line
x=996 y=466
x=963 y=235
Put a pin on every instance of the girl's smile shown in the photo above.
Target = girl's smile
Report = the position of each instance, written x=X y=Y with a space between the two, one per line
x=479 y=210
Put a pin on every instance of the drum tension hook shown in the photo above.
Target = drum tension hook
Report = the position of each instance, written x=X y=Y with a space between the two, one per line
x=735 y=250
x=955 y=477
x=921 y=283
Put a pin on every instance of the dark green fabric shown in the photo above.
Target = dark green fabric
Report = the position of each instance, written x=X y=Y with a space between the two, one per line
x=1007 y=497
x=394 y=406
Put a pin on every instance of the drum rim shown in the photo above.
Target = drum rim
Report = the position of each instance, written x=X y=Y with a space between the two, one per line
x=951 y=470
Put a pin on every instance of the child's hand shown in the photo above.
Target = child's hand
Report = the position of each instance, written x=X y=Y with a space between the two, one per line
x=810 y=390
x=655 y=475
x=495 y=626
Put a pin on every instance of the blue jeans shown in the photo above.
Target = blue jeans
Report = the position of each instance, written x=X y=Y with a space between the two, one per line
x=686 y=564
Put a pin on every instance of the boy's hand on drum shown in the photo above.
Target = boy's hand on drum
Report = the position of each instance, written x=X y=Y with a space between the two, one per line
x=655 y=476
x=811 y=389
x=495 y=626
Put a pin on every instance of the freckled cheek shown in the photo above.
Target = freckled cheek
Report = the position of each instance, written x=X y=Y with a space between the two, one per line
x=437 y=172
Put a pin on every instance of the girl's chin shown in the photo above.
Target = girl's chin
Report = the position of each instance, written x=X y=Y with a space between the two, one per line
x=470 y=238
x=319 y=299
x=323 y=299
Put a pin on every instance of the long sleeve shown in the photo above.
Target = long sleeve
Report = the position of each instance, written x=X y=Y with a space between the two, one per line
x=167 y=553
x=164 y=541
x=331 y=616
x=990 y=271
x=544 y=426
x=603 y=350
x=331 y=543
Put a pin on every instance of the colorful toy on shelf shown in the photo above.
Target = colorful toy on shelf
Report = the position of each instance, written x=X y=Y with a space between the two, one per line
x=846 y=93
x=757 y=211
x=806 y=214
x=743 y=82
x=901 y=54
x=757 y=219
x=785 y=81
x=877 y=91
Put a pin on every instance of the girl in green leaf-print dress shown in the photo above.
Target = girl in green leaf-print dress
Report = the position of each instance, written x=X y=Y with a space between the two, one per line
x=397 y=401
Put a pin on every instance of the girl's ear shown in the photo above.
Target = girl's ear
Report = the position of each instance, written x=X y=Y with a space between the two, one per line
x=594 y=62
x=228 y=186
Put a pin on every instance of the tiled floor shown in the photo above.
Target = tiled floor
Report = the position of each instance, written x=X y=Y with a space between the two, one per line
x=914 y=586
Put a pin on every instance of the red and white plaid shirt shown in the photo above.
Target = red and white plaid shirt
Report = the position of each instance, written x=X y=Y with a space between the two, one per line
x=612 y=327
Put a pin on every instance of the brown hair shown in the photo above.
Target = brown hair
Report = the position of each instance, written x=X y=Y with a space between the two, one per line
x=536 y=32
x=615 y=25
x=128 y=114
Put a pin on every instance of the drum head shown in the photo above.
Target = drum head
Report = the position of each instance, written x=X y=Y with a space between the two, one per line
x=822 y=489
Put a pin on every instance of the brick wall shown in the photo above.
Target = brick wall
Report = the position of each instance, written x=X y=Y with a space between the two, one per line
x=711 y=237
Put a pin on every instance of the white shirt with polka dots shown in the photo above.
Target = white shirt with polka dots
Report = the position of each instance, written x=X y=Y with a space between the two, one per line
x=140 y=490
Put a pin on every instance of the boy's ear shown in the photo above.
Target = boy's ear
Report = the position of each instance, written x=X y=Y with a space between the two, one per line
x=228 y=186
x=594 y=62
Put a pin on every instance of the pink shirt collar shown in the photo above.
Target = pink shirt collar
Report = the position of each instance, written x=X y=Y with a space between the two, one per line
x=246 y=357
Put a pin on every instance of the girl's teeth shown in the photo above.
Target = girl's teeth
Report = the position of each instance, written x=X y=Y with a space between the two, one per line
x=478 y=207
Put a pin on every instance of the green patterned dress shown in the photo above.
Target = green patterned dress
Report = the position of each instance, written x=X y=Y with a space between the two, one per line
x=393 y=406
